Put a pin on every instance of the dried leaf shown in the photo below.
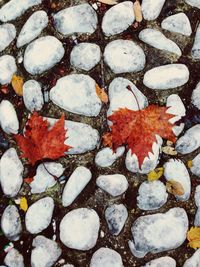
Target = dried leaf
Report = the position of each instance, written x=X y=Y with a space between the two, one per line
x=155 y=174
x=190 y=163
x=17 y=84
x=101 y=94
x=169 y=150
x=28 y=180
x=137 y=11
x=175 y=188
x=193 y=236
x=108 y=2
x=23 y=204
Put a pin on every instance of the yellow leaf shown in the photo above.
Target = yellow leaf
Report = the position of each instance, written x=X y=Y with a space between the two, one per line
x=193 y=236
x=175 y=188
x=169 y=150
x=190 y=163
x=155 y=174
x=17 y=84
x=101 y=94
x=108 y=2
x=23 y=204
x=137 y=11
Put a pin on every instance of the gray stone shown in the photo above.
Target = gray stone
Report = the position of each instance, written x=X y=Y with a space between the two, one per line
x=195 y=169
x=151 y=8
x=7 y=69
x=193 y=261
x=106 y=156
x=195 y=99
x=7 y=35
x=14 y=259
x=197 y=202
x=161 y=262
x=36 y=62
x=8 y=117
x=196 y=46
x=85 y=223
x=124 y=56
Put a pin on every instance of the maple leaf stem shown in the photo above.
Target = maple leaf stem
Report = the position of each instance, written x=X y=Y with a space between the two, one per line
x=54 y=176
x=129 y=88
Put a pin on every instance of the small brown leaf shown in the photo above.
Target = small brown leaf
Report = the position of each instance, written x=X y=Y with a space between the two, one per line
x=193 y=236
x=175 y=188
x=28 y=180
x=108 y=2
x=17 y=84
x=137 y=11
x=101 y=94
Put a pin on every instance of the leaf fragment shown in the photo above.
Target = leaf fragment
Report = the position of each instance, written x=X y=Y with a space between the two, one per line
x=169 y=150
x=17 y=84
x=101 y=94
x=23 y=204
x=193 y=236
x=155 y=174
x=190 y=164
x=137 y=11
x=175 y=188
x=108 y=2
x=28 y=180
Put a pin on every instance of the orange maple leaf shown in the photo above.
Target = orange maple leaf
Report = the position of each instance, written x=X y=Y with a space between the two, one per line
x=138 y=129
x=39 y=141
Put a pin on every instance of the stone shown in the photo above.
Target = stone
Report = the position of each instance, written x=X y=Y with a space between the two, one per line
x=39 y=215
x=151 y=8
x=8 y=117
x=45 y=176
x=124 y=56
x=118 y=18
x=11 y=170
x=195 y=169
x=151 y=195
x=80 y=136
x=162 y=261
x=176 y=170
x=197 y=202
x=7 y=69
x=190 y=141
x=83 y=19
x=75 y=185
x=116 y=216
x=106 y=257
x=32 y=95
x=14 y=9
x=194 y=3
x=36 y=62
x=149 y=162
x=193 y=261
x=76 y=93
x=45 y=253
x=113 y=184
x=35 y=24
x=14 y=259
x=11 y=223
x=159 y=232
x=85 y=56
x=106 y=156
x=196 y=46
x=166 y=77
x=158 y=40
x=195 y=98
x=85 y=223
x=7 y=35
x=178 y=23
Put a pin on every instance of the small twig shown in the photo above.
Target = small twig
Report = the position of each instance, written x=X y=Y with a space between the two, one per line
x=129 y=88
x=54 y=176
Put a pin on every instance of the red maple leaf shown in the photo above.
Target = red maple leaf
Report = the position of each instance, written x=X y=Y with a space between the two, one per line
x=40 y=141
x=138 y=129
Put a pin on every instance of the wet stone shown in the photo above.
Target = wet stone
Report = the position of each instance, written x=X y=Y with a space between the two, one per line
x=14 y=258
x=8 y=117
x=118 y=18
x=151 y=8
x=196 y=46
x=7 y=35
x=163 y=261
x=116 y=216
x=106 y=156
x=7 y=68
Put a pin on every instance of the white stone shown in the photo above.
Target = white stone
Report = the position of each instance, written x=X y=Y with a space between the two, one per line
x=76 y=19
x=68 y=265
x=32 y=95
x=75 y=185
x=116 y=216
x=190 y=141
x=124 y=56
x=76 y=93
x=194 y=3
x=36 y=62
x=196 y=46
x=44 y=177
x=162 y=261
x=14 y=259
x=11 y=223
x=7 y=35
x=39 y=214
x=80 y=136
x=45 y=253
x=158 y=40
x=159 y=232
x=151 y=195
x=8 y=117
x=195 y=169
x=121 y=97
x=193 y=261
x=176 y=170
x=118 y=18
x=11 y=170
x=195 y=98
x=106 y=257
x=7 y=69
x=151 y=8
x=106 y=156
x=166 y=77
x=35 y=24
x=197 y=202
x=113 y=184
x=85 y=56
x=176 y=107
x=79 y=229
x=149 y=162
x=14 y=9
x=178 y=23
